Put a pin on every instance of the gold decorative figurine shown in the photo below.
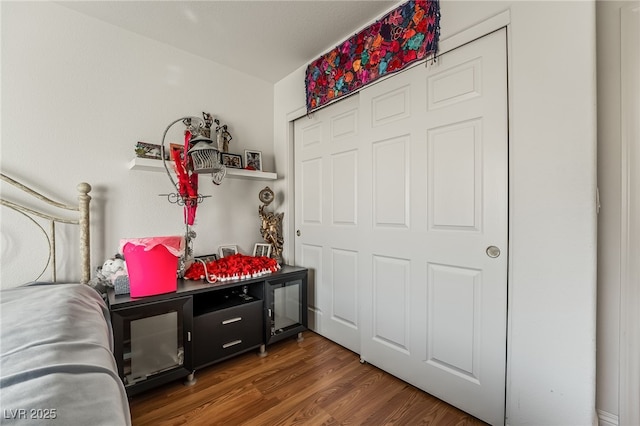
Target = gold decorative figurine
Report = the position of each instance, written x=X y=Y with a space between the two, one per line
x=271 y=227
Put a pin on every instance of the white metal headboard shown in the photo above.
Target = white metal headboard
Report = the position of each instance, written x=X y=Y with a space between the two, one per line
x=83 y=221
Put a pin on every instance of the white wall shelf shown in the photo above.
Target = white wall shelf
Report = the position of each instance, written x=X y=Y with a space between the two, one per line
x=151 y=165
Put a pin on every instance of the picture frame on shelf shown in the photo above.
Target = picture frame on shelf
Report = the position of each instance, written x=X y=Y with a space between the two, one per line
x=176 y=147
x=233 y=161
x=228 y=250
x=148 y=150
x=253 y=160
x=206 y=258
x=262 y=249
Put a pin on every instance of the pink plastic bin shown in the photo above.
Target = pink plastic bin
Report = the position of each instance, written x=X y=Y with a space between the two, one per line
x=152 y=264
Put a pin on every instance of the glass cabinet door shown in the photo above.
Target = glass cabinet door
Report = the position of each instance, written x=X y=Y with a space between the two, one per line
x=286 y=307
x=155 y=342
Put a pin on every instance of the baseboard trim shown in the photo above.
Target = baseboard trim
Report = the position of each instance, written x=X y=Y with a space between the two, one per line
x=607 y=419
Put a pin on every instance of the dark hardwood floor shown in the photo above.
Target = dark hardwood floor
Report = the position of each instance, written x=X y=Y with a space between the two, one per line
x=313 y=382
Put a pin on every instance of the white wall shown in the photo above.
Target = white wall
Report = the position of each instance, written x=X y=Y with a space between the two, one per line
x=77 y=94
x=552 y=278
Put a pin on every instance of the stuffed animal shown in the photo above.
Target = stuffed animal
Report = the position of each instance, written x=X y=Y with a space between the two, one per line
x=108 y=272
x=112 y=269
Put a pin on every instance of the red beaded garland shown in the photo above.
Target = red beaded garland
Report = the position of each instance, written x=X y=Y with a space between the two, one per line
x=237 y=266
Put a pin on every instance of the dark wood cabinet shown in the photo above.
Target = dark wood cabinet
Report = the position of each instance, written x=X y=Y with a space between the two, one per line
x=166 y=337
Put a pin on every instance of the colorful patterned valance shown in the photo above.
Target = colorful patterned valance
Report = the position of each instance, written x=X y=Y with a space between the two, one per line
x=405 y=35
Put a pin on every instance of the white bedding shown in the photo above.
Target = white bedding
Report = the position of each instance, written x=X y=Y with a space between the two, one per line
x=56 y=365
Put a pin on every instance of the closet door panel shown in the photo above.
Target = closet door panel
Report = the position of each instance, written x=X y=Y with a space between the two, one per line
x=327 y=166
x=435 y=139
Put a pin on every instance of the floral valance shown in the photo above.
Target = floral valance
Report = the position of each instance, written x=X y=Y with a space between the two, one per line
x=406 y=34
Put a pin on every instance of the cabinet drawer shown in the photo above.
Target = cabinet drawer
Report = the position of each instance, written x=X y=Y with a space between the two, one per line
x=222 y=333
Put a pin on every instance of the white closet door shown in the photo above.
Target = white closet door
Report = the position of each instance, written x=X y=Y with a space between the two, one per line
x=434 y=172
x=326 y=164
x=401 y=198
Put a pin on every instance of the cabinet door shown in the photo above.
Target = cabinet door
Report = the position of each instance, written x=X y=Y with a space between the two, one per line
x=285 y=307
x=153 y=342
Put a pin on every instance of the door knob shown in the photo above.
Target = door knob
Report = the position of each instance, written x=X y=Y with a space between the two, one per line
x=493 y=251
x=298 y=232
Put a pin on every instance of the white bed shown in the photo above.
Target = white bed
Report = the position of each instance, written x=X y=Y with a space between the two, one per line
x=56 y=343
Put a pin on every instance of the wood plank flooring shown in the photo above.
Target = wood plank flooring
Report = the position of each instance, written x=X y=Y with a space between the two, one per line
x=313 y=382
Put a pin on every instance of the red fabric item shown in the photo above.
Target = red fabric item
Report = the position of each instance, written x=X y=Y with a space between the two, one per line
x=237 y=266
x=187 y=181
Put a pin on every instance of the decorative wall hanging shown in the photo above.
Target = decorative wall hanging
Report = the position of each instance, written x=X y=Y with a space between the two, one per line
x=405 y=35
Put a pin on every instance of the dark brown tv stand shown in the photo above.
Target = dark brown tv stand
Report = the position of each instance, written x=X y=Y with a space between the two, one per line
x=161 y=338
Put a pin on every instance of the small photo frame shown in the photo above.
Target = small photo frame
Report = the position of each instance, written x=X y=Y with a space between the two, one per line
x=228 y=251
x=233 y=161
x=261 y=249
x=208 y=258
x=173 y=147
x=253 y=160
x=148 y=150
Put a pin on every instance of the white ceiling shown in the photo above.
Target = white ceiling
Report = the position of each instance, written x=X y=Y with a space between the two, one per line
x=265 y=38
